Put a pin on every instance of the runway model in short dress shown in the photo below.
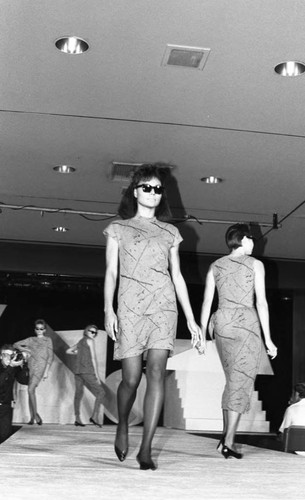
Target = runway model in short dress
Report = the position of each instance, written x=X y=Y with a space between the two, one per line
x=147 y=310
x=39 y=351
x=142 y=251
x=237 y=324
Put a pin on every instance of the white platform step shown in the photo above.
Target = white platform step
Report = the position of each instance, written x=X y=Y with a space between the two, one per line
x=194 y=386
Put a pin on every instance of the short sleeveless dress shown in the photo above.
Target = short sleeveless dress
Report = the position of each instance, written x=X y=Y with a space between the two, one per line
x=147 y=309
x=237 y=329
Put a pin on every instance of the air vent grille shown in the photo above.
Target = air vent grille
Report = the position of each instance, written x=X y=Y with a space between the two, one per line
x=186 y=57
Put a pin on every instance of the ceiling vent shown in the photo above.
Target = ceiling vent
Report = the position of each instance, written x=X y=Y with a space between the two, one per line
x=187 y=57
x=122 y=171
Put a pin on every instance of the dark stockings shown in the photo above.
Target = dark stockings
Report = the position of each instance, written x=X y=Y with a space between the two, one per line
x=153 y=401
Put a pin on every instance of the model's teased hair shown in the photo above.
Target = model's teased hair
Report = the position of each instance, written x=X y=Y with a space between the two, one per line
x=128 y=205
x=235 y=234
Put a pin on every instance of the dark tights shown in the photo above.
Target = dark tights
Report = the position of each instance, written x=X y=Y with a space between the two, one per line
x=153 y=400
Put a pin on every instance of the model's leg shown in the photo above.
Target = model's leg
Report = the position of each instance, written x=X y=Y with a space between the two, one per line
x=225 y=421
x=131 y=377
x=233 y=419
x=33 y=383
x=224 y=430
x=153 y=401
x=93 y=384
x=79 y=390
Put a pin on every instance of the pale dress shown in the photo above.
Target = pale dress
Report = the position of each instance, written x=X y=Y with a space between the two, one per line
x=147 y=309
x=237 y=329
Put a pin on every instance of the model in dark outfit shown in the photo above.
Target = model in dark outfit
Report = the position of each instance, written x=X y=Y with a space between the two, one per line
x=86 y=374
x=145 y=250
x=239 y=278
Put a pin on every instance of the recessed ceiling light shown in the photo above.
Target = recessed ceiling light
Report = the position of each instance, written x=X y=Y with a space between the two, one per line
x=290 y=68
x=72 y=45
x=211 y=179
x=60 y=229
x=64 y=169
x=187 y=57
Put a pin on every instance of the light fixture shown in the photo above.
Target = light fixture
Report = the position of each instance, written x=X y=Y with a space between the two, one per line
x=72 y=45
x=290 y=68
x=64 y=169
x=60 y=229
x=211 y=179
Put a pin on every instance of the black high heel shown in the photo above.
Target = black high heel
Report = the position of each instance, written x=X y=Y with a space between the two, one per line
x=146 y=465
x=95 y=423
x=228 y=453
x=38 y=419
x=31 y=422
x=121 y=454
x=78 y=424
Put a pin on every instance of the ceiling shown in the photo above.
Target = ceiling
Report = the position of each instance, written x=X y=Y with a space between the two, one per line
x=236 y=118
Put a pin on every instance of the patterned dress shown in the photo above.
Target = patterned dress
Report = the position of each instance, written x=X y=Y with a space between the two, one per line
x=41 y=349
x=237 y=329
x=147 y=309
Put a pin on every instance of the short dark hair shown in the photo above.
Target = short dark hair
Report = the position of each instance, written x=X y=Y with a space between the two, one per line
x=128 y=205
x=235 y=234
x=300 y=388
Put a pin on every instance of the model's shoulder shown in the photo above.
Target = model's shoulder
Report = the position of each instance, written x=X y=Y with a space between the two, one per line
x=221 y=260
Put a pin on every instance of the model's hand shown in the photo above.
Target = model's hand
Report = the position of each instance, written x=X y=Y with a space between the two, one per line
x=194 y=331
x=271 y=349
x=111 y=325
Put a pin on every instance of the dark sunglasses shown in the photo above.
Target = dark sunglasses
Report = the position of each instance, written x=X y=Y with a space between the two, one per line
x=146 y=188
x=39 y=329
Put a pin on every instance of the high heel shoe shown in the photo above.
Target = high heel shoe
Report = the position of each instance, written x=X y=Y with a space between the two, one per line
x=78 y=424
x=121 y=454
x=31 y=422
x=38 y=419
x=95 y=423
x=228 y=453
x=220 y=444
x=146 y=465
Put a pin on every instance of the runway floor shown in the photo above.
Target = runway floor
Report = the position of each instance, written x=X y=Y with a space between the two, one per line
x=63 y=462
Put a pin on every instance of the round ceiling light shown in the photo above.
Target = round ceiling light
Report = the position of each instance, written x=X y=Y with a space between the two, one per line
x=290 y=68
x=72 y=45
x=211 y=179
x=64 y=169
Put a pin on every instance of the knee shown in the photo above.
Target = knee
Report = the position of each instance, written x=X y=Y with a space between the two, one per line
x=131 y=383
x=155 y=374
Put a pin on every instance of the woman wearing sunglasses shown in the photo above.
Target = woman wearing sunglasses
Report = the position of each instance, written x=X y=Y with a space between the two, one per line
x=239 y=278
x=39 y=351
x=86 y=374
x=143 y=250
